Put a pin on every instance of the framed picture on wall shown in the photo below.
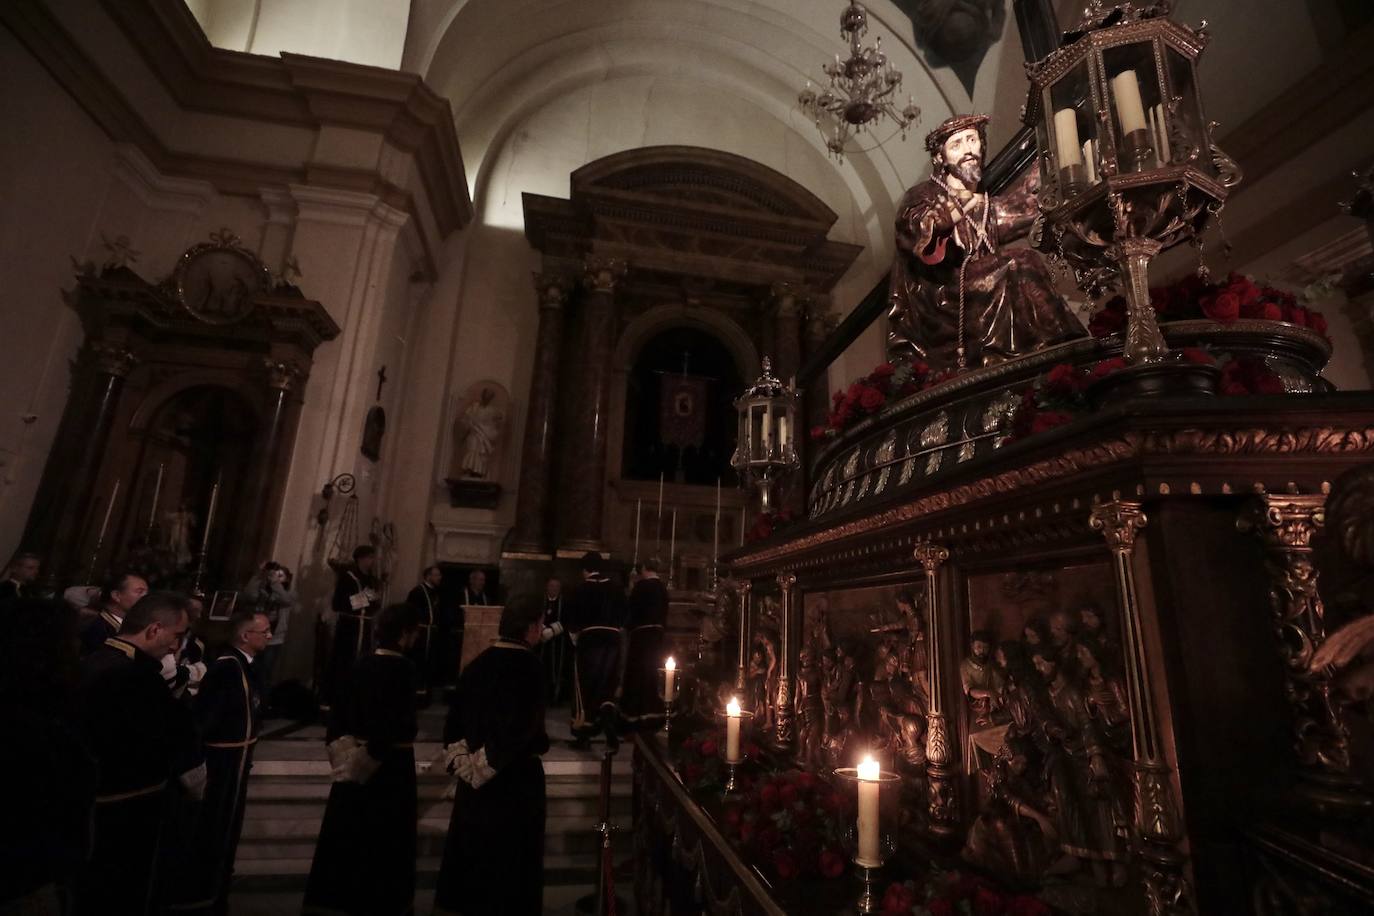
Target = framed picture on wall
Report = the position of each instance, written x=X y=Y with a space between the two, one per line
x=223 y=604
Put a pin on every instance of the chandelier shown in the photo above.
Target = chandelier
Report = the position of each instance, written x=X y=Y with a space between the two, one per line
x=860 y=90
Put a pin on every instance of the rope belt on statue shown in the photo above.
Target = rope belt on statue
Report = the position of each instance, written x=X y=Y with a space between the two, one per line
x=132 y=793
x=232 y=744
x=981 y=239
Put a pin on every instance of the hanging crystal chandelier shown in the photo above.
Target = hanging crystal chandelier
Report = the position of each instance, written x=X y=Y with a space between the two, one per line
x=861 y=88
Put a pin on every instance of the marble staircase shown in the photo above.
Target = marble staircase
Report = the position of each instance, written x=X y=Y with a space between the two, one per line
x=290 y=784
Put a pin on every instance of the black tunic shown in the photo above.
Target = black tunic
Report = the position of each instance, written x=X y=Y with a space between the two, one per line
x=595 y=617
x=365 y=858
x=96 y=630
x=227 y=712
x=141 y=738
x=645 y=654
x=355 y=601
x=556 y=654
x=494 y=856
x=13 y=589
x=431 y=651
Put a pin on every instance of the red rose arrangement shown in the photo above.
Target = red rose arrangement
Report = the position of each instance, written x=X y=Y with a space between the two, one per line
x=1192 y=297
x=793 y=823
x=868 y=395
x=950 y=893
x=765 y=523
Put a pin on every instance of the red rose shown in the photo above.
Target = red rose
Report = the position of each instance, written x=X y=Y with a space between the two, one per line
x=1268 y=383
x=768 y=797
x=1062 y=380
x=1244 y=288
x=1317 y=322
x=855 y=392
x=1106 y=367
x=871 y=399
x=940 y=907
x=802 y=816
x=693 y=772
x=1199 y=356
x=1106 y=322
x=733 y=816
x=1224 y=307
x=770 y=838
x=988 y=902
x=690 y=744
x=830 y=864
x=1270 y=311
x=709 y=747
x=807 y=780
x=884 y=370
x=1298 y=316
x=1233 y=388
x=788 y=795
x=1047 y=420
x=747 y=829
x=1026 y=905
x=785 y=864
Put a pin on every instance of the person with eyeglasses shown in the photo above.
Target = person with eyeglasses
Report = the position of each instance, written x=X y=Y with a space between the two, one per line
x=228 y=715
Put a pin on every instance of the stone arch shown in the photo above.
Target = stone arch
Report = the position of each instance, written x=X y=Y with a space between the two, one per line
x=674 y=315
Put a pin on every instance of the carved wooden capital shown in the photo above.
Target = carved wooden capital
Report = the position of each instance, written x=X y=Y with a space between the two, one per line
x=1118 y=521
x=110 y=358
x=1286 y=522
x=931 y=556
x=552 y=289
x=282 y=375
x=600 y=274
x=786 y=582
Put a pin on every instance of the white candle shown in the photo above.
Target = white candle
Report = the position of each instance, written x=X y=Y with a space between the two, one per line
x=1066 y=137
x=767 y=428
x=1161 y=135
x=1090 y=160
x=157 y=491
x=782 y=432
x=209 y=518
x=1129 y=109
x=669 y=679
x=638 y=513
x=100 y=538
x=868 y=814
x=732 y=720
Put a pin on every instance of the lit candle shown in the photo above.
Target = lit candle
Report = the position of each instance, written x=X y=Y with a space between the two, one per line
x=1066 y=138
x=1129 y=109
x=868 y=813
x=669 y=679
x=157 y=491
x=767 y=429
x=782 y=433
x=732 y=720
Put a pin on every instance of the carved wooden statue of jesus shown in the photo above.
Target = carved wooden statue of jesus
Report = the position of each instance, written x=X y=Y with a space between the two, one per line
x=958 y=299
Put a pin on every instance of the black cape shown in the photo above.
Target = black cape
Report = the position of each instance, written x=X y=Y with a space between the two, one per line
x=646 y=651
x=595 y=614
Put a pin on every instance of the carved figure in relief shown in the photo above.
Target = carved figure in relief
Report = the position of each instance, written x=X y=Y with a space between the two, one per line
x=906 y=636
x=810 y=712
x=958 y=297
x=1106 y=694
x=763 y=681
x=981 y=681
x=1014 y=836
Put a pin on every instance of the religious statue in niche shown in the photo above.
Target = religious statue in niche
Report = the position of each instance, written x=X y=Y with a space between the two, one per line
x=479 y=433
x=959 y=299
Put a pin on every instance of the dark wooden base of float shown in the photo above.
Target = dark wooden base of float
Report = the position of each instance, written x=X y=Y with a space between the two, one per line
x=1170 y=378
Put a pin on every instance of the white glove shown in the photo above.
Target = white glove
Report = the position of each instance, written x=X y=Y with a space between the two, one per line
x=193 y=780
x=197 y=672
x=350 y=761
x=169 y=667
x=550 y=632
x=471 y=768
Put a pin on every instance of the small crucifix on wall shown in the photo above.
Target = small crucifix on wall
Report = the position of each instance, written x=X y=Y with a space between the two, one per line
x=381 y=381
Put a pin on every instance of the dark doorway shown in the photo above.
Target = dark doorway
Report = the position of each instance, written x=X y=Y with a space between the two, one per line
x=649 y=443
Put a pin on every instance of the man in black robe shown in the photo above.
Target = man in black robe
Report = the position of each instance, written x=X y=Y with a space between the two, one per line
x=184 y=667
x=641 y=704
x=556 y=649
x=430 y=652
x=494 y=856
x=365 y=858
x=228 y=715
x=20 y=577
x=120 y=594
x=142 y=738
x=355 y=605
x=596 y=622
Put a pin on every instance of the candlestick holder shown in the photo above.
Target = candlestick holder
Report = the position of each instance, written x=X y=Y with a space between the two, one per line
x=667 y=692
x=872 y=844
x=731 y=765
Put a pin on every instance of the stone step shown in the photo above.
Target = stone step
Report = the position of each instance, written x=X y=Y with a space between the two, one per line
x=257 y=876
x=312 y=807
x=317 y=765
x=304 y=791
x=298 y=840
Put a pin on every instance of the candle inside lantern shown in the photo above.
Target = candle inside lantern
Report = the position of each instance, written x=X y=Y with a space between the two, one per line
x=1066 y=138
x=868 y=813
x=669 y=679
x=1129 y=109
x=782 y=432
x=732 y=720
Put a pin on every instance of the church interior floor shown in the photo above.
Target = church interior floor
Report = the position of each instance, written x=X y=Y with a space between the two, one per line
x=290 y=783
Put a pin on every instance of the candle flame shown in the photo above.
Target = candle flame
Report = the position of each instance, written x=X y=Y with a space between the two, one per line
x=670 y=664
x=732 y=708
x=868 y=768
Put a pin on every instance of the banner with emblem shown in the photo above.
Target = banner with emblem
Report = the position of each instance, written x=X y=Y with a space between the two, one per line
x=682 y=410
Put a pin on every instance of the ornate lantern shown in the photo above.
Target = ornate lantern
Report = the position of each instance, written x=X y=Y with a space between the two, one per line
x=765 y=449
x=1127 y=163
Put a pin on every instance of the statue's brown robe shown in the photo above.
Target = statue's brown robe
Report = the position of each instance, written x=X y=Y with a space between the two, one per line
x=1011 y=306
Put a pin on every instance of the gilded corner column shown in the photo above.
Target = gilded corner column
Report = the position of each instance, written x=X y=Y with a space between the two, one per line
x=745 y=636
x=941 y=766
x=586 y=453
x=1285 y=524
x=1158 y=827
x=785 y=731
x=533 y=520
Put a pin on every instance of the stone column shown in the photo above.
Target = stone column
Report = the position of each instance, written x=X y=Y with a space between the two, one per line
x=745 y=636
x=59 y=525
x=941 y=765
x=533 y=518
x=586 y=441
x=1327 y=779
x=785 y=731
x=1158 y=827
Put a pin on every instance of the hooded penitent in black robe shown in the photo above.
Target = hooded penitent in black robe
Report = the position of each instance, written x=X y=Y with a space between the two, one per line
x=365 y=858
x=640 y=702
x=595 y=617
x=494 y=857
x=142 y=738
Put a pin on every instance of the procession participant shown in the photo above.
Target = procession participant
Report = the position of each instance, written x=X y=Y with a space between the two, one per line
x=430 y=648
x=596 y=622
x=365 y=858
x=20 y=577
x=355 y=604
x=494 y=856
x=141 y=738
x=118 y=595
x=648 y=607
x=556 y=648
